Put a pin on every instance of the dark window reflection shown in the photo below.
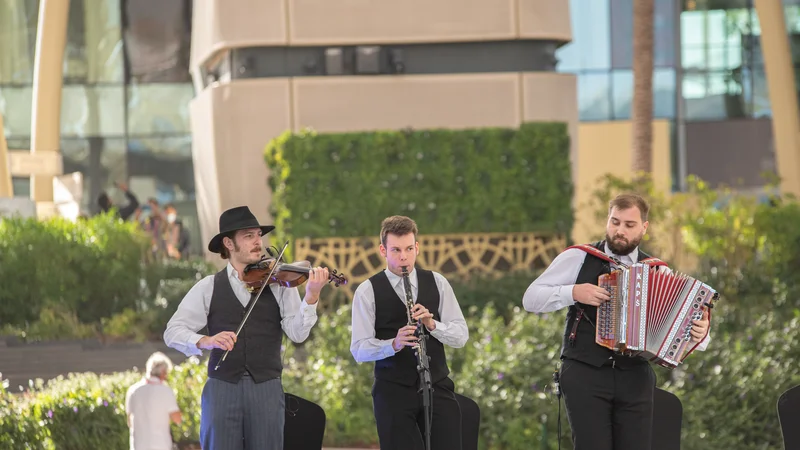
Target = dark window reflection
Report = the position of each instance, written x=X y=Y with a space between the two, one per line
x=101 y=161
x=21 y=186
x=163 y=166
x=157 y=39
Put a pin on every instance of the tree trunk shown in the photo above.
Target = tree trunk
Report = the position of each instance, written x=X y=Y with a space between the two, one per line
x=642 y=108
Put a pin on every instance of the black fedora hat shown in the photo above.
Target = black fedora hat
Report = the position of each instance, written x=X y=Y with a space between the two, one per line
x=238 y=218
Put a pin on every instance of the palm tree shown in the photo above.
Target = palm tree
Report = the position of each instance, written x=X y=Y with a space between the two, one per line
x=642 y=107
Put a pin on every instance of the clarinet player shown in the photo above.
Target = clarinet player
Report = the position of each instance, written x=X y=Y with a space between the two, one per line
x=609 y=397
x=381 y=333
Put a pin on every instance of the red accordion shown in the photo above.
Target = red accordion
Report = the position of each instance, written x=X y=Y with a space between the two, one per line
x=650 y=313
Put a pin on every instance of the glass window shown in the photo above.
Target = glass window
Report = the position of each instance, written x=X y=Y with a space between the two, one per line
x=93 y=50
x=18 y=20
x=162 y=168
x=93 y=111
x=622 y=89
x=663 y=93
x=102 y=163
x=590 y=48
x=594 y=96
x=622 y=33
x=713 y=95
x=15 y=106
x=157 y=40
x=21 y=186
x=159 y=108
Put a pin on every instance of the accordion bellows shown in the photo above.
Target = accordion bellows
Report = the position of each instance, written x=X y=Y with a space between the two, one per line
x=650 y=313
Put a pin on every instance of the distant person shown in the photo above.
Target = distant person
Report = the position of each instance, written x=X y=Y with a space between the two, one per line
x=177 y=236
x=151 y=406
x=105 y=203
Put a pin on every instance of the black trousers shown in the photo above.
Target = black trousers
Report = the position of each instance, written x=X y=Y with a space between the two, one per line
x=609 y=408
x=400 y=417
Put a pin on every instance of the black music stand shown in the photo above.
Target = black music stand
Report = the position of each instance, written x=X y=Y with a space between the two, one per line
x=789 y=417
x=470 y=422
x=305 y=424
x=667 y=417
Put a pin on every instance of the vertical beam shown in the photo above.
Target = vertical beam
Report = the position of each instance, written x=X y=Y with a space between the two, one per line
x=51 y=37
x=782 y=93
x=6 y=188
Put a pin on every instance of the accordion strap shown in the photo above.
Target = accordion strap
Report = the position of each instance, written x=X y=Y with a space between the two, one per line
x=651 y=261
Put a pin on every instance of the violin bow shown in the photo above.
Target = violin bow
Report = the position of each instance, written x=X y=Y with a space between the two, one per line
x=253 y=303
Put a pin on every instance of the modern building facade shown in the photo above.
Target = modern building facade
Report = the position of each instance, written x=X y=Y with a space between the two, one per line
x=124 y=102
x=179 y=98
x=261 y=67
x=709 y=81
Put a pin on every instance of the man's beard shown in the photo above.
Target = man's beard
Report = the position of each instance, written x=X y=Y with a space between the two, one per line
x=622 y=247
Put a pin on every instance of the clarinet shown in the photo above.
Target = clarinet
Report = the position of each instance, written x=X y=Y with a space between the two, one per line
x=409 y=303
x=423 y=361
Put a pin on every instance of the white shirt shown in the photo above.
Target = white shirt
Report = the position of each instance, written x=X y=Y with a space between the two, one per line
x=552 y=290
x=150 y=402
x=192 y=315
x=451 y=331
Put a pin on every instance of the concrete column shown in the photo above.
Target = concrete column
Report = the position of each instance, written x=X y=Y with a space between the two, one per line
x=6 y=188
x=782 y=93
x=51 y=38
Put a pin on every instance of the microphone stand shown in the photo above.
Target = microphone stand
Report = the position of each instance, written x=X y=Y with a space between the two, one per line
x=423 y=363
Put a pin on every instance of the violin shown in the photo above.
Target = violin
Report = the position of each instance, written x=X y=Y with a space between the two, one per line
x=285 y=274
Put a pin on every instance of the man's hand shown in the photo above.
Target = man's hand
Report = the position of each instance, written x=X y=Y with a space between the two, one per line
x=590 y=294
x=223 y=340
x=700 y=327
x=405 y=338
x=317 y=277
x=421 y=313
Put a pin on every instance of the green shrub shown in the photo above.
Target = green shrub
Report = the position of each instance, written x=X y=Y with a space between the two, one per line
x=478 y=180
x=91 y=267
x=729 y=392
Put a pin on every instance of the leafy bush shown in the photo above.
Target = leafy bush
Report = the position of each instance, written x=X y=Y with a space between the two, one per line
x=504 y=180
x=91 y=267
x=64 y=280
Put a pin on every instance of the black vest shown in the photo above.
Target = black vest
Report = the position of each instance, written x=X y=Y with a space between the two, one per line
x=258 y=348
x=390 y=316
x=584 y=348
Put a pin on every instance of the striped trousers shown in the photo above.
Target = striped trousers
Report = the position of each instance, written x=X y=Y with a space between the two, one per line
x=242 y=416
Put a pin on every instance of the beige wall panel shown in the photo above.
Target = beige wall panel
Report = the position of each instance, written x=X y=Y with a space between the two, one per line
x=553 y=97
x=219 y=24
x=370 y=21
x=544 y=19
x=247 y=115
x=337 y=104
x=204 y=161
x=605 y=147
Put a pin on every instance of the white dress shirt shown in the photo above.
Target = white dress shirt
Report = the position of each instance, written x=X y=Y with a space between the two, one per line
x=552 y=290
x=451 y=331
x=297 y=317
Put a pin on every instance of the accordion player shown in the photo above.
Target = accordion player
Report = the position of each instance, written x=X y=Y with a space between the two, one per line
x=650 y=313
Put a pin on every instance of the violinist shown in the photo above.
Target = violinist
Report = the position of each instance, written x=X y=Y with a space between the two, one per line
x=242 y=404
x=382 y=333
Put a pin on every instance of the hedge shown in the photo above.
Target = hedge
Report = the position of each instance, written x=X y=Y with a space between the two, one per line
x=81 y=279
x=728 y=392
x=92 y=267
x=449 y=181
